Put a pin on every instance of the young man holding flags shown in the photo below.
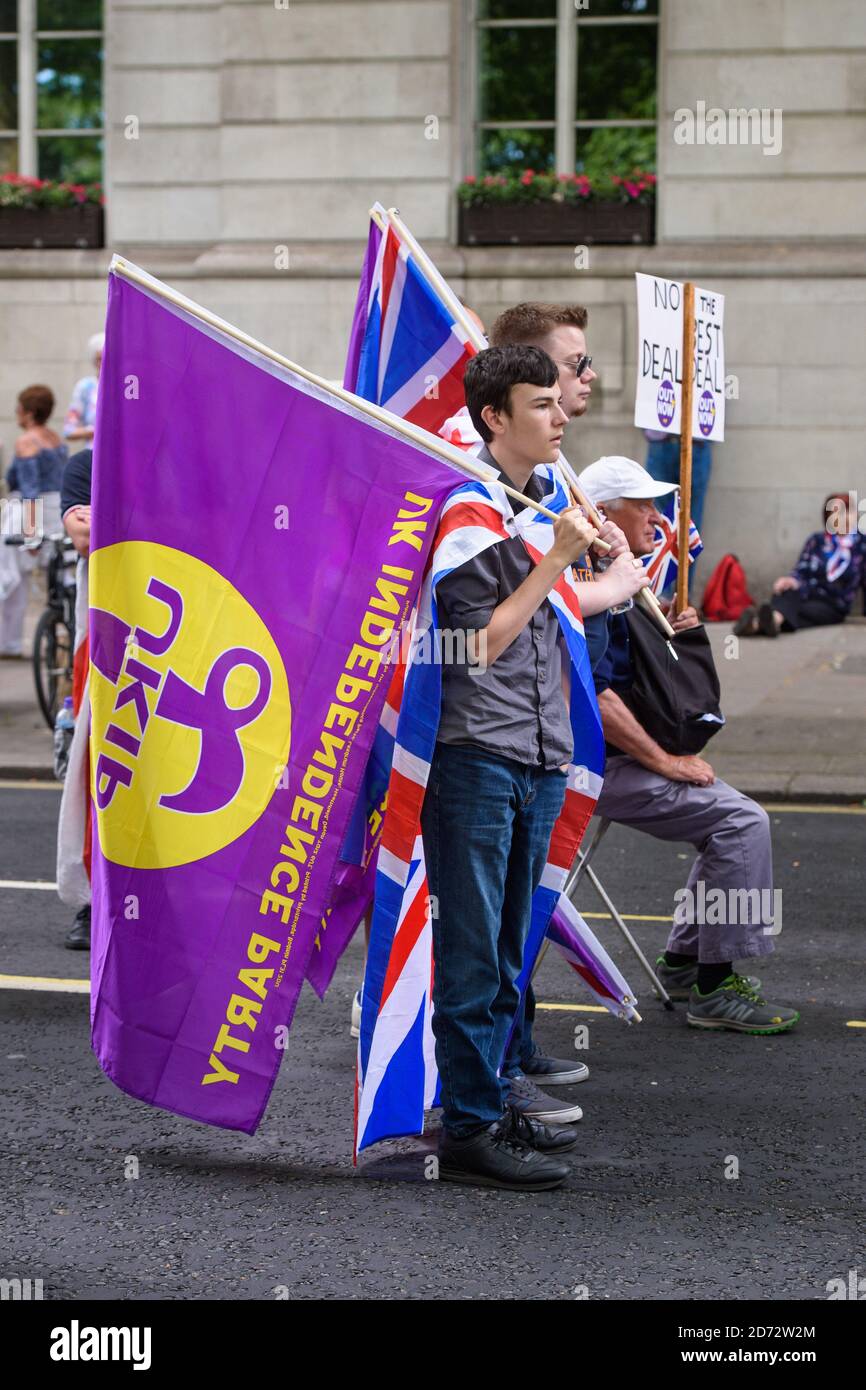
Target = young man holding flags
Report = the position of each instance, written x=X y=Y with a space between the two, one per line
x=497 y=785
x=560 y=331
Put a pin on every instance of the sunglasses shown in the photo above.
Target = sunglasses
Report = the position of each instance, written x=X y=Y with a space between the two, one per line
x=580 y=366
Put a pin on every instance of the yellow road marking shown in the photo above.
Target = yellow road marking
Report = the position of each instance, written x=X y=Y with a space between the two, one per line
x=13 y=784
x=576 y=1008
x=26 y=883
x=856 y=1023
x=628 y=917
x=45 y=982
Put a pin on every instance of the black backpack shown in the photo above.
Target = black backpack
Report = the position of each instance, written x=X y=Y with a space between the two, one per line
x=675 y=699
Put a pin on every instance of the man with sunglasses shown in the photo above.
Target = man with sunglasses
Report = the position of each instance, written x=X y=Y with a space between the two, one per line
x=560 y=330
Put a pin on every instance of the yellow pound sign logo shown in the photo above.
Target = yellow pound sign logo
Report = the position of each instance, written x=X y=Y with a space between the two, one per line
x=190 y=707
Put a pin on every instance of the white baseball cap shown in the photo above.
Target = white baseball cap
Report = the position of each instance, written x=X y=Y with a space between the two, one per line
x=615 y=476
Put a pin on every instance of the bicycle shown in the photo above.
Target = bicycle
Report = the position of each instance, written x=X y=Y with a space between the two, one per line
x=54 y=638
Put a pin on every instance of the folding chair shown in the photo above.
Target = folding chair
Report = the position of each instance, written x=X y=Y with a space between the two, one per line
x=582 y=866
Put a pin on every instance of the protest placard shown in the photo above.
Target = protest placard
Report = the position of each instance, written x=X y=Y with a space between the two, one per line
x=658 y=399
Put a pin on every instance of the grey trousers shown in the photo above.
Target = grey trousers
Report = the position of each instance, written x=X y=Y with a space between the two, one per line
x=732 y=837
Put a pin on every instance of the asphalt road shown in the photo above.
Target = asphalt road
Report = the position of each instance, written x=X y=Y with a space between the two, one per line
x=647 y=1214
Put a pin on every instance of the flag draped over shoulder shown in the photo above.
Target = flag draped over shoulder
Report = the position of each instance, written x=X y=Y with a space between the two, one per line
x=662 y=564
x=396 y=1078
x=256 y=543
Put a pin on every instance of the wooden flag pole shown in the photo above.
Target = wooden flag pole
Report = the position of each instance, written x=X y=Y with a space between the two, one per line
x=686 y=445
x=645 y=597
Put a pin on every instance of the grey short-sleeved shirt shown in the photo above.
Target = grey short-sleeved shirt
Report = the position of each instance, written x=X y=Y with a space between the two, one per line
x=516 y=707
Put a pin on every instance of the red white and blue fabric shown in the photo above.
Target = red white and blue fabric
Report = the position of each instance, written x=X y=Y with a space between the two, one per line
x=838 y=550
x=396 y=1078
x=663 y=564
x=406 y=352
x=588 y=958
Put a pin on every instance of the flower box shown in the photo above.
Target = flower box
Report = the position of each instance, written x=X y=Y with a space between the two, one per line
x=81 y=225
x=550 y=223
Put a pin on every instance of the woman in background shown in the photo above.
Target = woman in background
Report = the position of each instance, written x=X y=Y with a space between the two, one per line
x=33 y=476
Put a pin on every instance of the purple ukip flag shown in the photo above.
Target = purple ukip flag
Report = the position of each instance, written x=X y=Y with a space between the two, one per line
x=256 y=543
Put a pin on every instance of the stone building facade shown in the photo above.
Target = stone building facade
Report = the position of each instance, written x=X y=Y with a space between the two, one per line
x=264 y=124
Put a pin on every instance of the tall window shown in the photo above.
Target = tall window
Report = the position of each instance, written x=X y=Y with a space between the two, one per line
x=51 y=121
x=565 y=85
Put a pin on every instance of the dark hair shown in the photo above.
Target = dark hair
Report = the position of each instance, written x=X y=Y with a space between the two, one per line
x=38 y=401
x=828 y=509
x=531 y=323
x=491 y=374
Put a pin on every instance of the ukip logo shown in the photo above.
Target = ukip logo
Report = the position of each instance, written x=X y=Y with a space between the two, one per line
x=190 y=707
x=666 y=403
x=707 y=413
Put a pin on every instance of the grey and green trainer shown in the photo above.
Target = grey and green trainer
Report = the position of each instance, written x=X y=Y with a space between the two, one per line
x=737 y=1006
x=679 y=980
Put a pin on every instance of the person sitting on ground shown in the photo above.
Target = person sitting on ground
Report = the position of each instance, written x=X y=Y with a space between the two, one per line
x=678 y=798
x=823 y=584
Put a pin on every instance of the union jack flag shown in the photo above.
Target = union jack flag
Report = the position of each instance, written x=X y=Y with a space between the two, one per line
x=663 y=564
x=407 y=352
x=396 y=1076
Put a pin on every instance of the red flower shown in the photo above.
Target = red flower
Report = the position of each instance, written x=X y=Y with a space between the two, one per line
x=527 y=177
x=632 y=190
x=470 y=178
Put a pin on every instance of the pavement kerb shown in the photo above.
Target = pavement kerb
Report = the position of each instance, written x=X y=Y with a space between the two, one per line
x=796 y=795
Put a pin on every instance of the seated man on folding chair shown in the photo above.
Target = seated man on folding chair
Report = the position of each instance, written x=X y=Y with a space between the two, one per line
x=679 y=798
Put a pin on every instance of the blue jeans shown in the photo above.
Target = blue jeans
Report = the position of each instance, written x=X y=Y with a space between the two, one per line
x=486 y=826
x=663 y=464
x=521 y=1045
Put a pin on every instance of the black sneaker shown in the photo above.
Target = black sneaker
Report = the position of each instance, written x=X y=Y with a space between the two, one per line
x=554 y=1071
x=747 y=623
x=545 y=1139
x=496 y=1157
x=767 y=621
x=78 y=936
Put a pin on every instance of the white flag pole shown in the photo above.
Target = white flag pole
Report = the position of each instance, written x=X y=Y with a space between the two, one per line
x=423 y=439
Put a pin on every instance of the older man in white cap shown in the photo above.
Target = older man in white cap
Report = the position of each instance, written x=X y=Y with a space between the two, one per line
x=679 y=798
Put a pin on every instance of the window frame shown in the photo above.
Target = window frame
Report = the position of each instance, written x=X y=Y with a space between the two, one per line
x=567 y=22
x=27 y=132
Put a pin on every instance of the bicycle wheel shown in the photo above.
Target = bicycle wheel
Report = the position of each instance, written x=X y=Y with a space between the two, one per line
x=52 y=663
